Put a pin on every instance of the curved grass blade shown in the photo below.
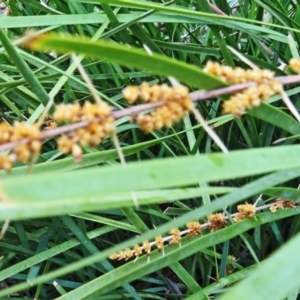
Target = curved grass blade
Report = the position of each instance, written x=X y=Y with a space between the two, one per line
x=88 y=160
x=276 y=277
x=124 y=55
x=276 y=117
x=183 y=11
x=249 y=190
x=22 y=210
x=161 y=173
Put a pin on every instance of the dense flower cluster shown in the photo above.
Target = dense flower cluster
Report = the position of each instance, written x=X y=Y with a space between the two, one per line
x=100 y=124
x=252 y=97
x=245 y=211
x=238 y=75
x=194 y=228
x=177 y=104
x=215 y=222
x=29 y=138
x=280 y=204
x=294 y=64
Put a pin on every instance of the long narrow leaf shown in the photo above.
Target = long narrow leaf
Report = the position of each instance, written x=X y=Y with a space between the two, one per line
x=279 y=268
x=155 y=63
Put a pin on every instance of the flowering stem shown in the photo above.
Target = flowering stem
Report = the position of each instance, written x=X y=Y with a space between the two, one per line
x=195 y=96
x=216 y=222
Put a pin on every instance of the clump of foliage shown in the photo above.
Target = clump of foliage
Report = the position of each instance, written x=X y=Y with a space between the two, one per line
x=149 y=149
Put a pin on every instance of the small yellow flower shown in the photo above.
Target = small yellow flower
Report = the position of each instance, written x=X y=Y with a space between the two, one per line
x=194 y=228
x=6 y=163
x=137 y=250
x=294 y=64
x=159 y=242
x=252 y=97
x=245 y=211
x=147 y=247
x=176 y=107
x=114 y=256
x=176 y=236
x=217 y=221
x=128 y=253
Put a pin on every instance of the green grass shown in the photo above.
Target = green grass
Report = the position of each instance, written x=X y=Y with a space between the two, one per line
x=66 y=218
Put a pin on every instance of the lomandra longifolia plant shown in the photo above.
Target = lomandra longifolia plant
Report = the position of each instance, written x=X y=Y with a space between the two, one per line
x=202 y=244
x=90 y=123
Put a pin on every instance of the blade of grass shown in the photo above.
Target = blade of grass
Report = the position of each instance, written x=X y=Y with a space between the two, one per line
x=128 y=56
x=24 y=69
x=279 y=286
x=244 y=192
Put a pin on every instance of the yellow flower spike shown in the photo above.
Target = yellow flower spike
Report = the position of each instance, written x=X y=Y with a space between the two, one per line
x=294 y=64
x=113 y=256
x=6 y=132
x=176 y=236
x=101 y=124
x=251 y=97
x=194 y=227
x=35 y=146
x=145 y=93
x=156 y=93
x=65 y=144
x=245 y=211
x=22 y=153
x=6 y=163
x=177 y=104
x=21 y=130
x=239 y=75
x=147 y=247
x=217 y=221
x=67 y=112
x=91 y=111
x=122 y=255
x=131 y=94
x=129 y=253
x=137 y=250
x=159 y=242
